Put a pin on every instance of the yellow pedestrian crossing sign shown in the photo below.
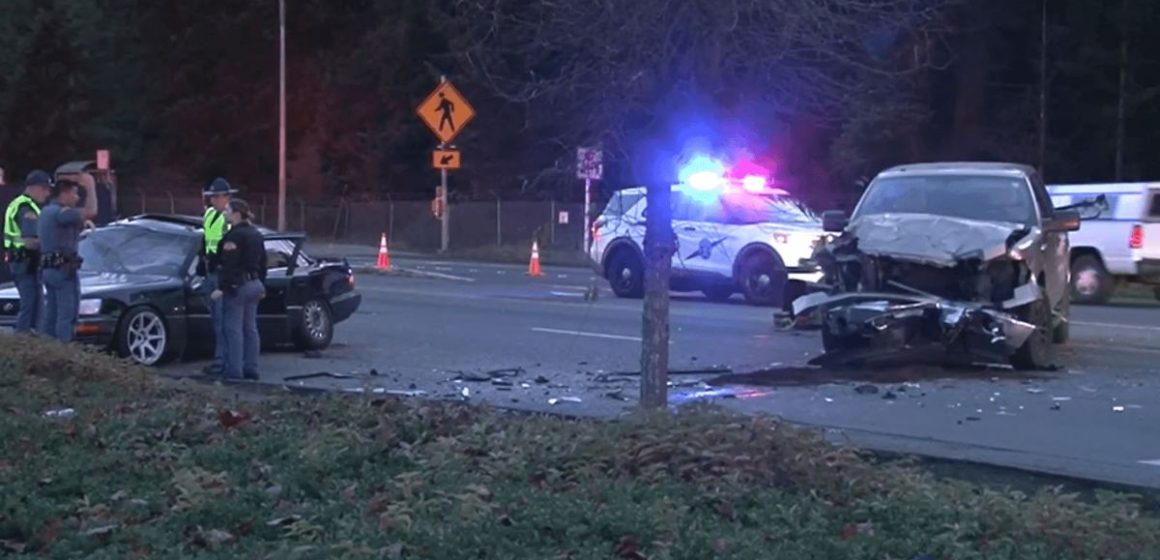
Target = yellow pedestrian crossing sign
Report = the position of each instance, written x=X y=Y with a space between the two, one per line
x=446 y=112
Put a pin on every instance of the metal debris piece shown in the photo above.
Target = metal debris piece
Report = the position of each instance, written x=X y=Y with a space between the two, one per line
x=557 y=400
x=618 y=395
x=1117 y=408
x=472 y=376
x=506 y=372
x=320 y=374
x=682 y=371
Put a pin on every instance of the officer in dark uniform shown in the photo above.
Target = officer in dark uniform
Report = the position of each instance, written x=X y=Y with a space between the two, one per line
x=59 y=229
x=241 y=286
x=22 y=247
x=214 y=226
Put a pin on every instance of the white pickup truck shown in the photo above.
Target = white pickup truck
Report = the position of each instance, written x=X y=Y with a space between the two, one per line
x=1121 y=246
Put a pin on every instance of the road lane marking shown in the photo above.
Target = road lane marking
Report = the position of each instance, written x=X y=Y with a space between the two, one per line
x=1115 y=326
x=1150 y=462
x=568 y=294
x=588 y=334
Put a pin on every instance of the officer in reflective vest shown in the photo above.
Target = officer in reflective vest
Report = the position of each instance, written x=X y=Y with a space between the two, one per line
x=59 y=228
x=214 y=227
x=22 y=247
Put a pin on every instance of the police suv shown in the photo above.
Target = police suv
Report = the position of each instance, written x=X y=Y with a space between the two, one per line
x=732 y=236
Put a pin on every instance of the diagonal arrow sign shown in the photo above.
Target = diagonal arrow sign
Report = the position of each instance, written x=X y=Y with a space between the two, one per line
x=446 y=159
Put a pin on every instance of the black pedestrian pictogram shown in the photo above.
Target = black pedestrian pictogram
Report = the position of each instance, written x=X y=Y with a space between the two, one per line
x=447 y=108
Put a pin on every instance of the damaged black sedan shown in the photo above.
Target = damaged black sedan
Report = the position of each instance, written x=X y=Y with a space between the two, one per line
x=969 y=260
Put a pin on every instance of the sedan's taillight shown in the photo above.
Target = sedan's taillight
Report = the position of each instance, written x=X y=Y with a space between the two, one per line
x=350 y=280
x=1136 y=241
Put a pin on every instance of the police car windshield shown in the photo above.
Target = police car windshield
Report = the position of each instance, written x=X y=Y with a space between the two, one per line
x=971 y=197
x=135 y=250
x=760 y=209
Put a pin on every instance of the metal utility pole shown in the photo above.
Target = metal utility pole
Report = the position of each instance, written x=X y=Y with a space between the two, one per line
x=282 y=115
x=1043 y=90
x=1122 y=102
x=658 y=253
x=445 y=226
x=587 y=214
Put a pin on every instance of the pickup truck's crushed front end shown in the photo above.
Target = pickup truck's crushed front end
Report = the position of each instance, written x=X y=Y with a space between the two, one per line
x=908 y=285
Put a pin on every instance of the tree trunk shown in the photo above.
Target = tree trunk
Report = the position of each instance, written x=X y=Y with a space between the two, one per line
x=658 y=253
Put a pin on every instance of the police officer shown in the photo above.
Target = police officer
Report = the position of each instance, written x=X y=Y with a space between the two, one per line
x=241 y=286
x=59 y=229
x=22 y=247
x=214 y=226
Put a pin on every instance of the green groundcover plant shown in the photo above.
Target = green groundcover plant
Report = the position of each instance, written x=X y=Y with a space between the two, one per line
x=104 y=460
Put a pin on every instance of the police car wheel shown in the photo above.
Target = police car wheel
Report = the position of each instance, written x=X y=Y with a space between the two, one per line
x=759 y=280
x=143 y=337
x=626 y=275
x=316 y=329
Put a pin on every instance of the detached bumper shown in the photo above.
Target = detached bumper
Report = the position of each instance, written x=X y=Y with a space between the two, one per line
x=864 y=327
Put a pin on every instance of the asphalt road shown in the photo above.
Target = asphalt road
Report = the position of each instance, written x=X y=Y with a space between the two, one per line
x=1096 y=417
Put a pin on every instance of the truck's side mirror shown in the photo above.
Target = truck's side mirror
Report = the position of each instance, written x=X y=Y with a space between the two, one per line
x=1064 y=220
x=834 y=221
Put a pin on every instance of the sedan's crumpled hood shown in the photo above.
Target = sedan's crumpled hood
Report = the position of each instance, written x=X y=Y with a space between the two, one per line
x=931 y=239
x=97 y=285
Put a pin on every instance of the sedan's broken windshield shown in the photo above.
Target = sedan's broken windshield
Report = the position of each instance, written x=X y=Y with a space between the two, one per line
x=970 y=197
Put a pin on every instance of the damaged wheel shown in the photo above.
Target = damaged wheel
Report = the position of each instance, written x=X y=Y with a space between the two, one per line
x=1036 y=350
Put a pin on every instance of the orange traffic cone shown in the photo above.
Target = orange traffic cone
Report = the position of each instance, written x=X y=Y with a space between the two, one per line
x=534 y=265
x=384 y=257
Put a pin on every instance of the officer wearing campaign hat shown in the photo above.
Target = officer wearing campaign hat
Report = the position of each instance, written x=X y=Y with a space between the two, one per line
x=214 y=227
x=22 y=247
x=59 y=229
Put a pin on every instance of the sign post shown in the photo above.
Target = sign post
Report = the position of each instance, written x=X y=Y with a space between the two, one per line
x=589 y=166
x=446 y=112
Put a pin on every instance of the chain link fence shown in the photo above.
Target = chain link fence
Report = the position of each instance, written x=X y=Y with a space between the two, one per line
x=410 y=225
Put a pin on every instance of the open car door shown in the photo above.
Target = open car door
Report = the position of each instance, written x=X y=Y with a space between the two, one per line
x=284 y=286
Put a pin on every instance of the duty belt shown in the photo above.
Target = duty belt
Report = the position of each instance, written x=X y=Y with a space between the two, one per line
x=19 y=255
x=59 y=259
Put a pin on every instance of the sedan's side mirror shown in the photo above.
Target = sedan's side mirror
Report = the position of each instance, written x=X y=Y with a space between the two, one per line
x=1064 y=220
x=834 y=221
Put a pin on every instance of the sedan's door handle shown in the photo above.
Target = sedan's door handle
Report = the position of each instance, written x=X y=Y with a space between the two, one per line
x=689 y=228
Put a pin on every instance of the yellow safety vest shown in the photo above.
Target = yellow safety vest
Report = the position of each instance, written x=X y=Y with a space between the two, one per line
x=214 y=225
x=13 y=239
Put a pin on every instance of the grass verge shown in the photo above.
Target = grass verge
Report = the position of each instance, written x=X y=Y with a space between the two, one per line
x=143 y=469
